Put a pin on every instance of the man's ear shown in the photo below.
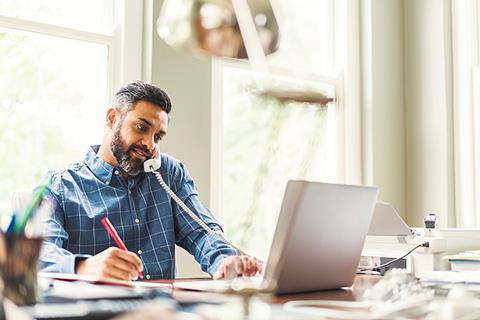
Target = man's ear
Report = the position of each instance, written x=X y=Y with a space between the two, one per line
x=112 y=115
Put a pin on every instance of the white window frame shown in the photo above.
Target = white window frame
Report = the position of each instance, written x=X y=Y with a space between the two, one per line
x=124 y=42
x=466 y=116
x=349 y=150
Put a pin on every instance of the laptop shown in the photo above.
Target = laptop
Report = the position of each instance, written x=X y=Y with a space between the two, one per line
x=317 y=242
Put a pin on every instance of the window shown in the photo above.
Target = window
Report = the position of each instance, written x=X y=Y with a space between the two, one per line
x=466 y=115
x=265 y=142
x=87 y=15
x=59 y=64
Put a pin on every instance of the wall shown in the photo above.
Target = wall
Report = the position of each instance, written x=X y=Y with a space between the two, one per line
x=383 y=99
x=427 y=100
x=405 y=61
x=406 y=103
x=187 y=80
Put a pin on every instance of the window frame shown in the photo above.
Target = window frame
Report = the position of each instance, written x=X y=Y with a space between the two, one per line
x=352 y=135
x=124 y=42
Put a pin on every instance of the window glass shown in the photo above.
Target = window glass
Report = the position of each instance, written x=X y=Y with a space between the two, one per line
x=53 y=96
x=266 y=143
x=307 y=36
x=88 y=15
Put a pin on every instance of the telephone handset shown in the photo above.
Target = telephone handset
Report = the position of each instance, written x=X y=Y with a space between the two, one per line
x=152 y=165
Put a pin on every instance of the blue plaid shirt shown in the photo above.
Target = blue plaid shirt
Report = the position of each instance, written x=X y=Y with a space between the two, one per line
x=149 y=222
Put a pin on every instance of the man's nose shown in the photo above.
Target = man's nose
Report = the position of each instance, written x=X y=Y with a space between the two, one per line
x=150 y=144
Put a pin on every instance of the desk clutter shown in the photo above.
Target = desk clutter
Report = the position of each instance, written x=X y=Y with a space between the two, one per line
x=397 y=295
x=79 y=297
x=465 y=261
x=20 y=244
x=400 y=295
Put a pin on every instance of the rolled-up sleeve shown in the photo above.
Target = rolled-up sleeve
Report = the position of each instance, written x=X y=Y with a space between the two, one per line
x=53 y=257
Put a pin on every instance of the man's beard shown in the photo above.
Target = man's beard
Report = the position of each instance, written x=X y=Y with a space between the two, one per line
x=123 y=154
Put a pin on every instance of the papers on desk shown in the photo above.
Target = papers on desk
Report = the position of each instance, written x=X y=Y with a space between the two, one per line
x=79 y=290
x=58 y=287
x=441 y=277
x=97 y=280
x=465 y=261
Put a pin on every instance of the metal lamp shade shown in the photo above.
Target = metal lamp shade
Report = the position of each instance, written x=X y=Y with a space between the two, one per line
x=210 y=27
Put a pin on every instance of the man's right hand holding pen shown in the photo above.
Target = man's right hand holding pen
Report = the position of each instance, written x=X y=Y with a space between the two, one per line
x=111 y=263
x=116 y=263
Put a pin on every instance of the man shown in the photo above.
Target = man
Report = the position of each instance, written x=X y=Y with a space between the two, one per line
x=110 y=182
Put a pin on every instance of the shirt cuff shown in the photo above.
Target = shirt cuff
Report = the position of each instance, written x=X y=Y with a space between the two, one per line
x=67 y=263
x=216 y=265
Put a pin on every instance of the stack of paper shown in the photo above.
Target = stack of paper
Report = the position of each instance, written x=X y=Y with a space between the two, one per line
x=442 y=277
x=98 y=280
x=465 y=261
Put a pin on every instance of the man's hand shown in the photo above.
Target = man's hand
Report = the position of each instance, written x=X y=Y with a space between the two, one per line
x=238 y=266
x=111 y=263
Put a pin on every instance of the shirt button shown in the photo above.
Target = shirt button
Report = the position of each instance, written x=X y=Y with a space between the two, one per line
x=137 y=220
x=116 y=172
x=107 y=182
x=148 y=276
x=140 y=251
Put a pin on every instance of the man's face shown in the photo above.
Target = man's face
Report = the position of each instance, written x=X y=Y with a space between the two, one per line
x=135 y=138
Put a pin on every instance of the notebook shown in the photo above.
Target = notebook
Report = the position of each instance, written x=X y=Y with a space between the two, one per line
x=317 y=242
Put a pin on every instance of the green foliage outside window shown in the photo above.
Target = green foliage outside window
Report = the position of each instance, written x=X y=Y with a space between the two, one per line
x=46 y=102
x=266 y=143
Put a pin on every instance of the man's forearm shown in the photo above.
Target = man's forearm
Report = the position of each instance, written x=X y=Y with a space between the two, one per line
x=55 y=259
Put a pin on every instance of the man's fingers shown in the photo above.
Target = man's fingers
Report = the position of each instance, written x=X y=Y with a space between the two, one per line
x=246 y=266
x=129 y=257
x=260 y=266
x=112 y=263
x=116 y=273
x=238 y=263
x=234 y=266
x=220 y=274
x=251 y=267
x=123 y=265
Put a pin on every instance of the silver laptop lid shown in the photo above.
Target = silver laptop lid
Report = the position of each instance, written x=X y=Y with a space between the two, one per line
x=319 y=236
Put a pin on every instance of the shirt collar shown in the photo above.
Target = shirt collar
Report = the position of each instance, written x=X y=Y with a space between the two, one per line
x=101 y=169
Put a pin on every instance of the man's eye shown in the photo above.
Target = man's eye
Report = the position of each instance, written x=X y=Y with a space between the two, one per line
x=157 y=138
x=141 y=128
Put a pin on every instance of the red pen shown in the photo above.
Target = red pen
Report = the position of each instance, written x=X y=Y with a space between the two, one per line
x=113 y=233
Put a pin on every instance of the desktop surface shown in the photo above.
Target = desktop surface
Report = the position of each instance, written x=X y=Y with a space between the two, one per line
x=353 y=293
x=187 y=300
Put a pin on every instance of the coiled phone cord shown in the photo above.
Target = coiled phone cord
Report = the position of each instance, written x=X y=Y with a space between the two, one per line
x=218 y=234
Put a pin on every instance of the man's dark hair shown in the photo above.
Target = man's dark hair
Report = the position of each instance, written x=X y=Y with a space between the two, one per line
x=129 y=95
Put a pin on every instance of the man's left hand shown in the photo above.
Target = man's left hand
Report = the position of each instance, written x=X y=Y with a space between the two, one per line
x=238 y=266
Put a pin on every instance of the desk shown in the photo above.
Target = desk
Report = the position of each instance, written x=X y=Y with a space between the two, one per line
x=234 y=309
x=354 y=293
x=233 y=306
